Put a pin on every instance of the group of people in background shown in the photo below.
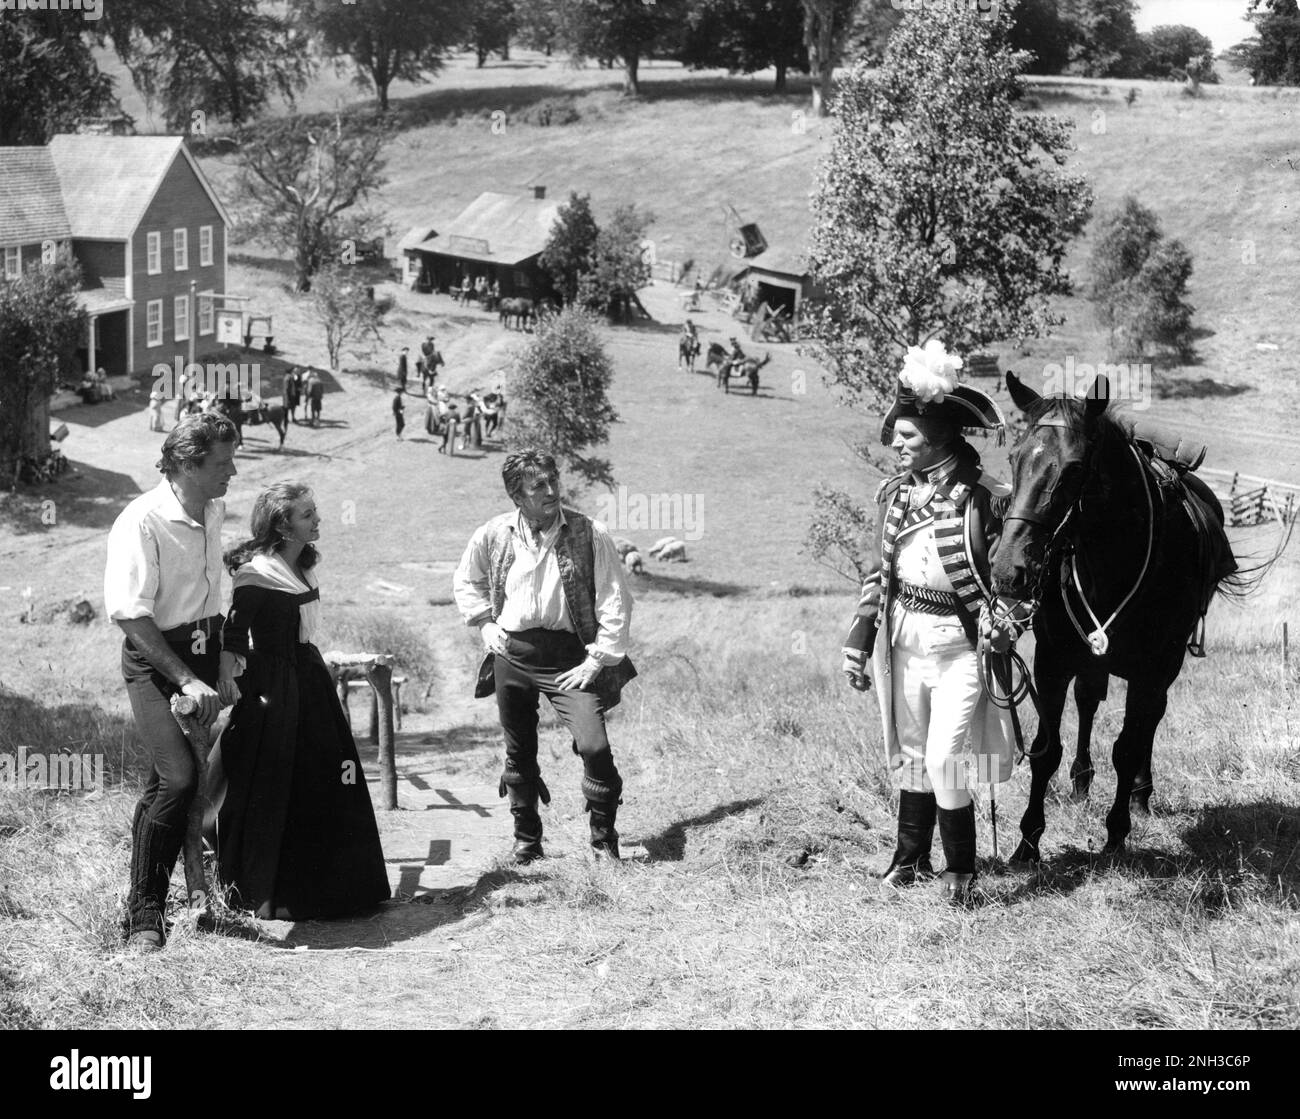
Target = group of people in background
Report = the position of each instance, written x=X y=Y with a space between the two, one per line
x=463 y=424
x=307 y=390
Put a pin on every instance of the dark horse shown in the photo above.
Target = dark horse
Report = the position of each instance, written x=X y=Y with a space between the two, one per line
x=520 y=310
x=273 y=414
x=1121 y=556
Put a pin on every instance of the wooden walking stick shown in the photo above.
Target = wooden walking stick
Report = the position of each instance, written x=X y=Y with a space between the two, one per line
x=185 y=709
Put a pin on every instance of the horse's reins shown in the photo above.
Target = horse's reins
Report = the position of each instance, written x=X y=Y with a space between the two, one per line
x=1002 y=668
x=1098 y=640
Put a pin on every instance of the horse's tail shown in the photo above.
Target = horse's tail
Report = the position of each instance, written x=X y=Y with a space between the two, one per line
x=1245 y=580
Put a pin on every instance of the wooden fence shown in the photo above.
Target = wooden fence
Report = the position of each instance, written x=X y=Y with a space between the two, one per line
x=1248 y=500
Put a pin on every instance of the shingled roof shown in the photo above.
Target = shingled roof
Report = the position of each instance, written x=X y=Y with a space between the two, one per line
x=31 y=203
x=109 y=181
x=497 y=229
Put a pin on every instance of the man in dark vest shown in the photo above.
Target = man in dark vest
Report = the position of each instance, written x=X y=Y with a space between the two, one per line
x=544 y=586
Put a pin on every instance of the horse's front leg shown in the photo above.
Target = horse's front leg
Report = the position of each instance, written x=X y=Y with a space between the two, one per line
x=1143 y=711
x=1052 y=680
x=1089 y=690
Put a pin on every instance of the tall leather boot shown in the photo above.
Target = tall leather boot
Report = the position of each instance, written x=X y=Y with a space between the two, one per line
x=603 y=799
x=957 y=833
x=524 y=794
x=916 y=815
x=154 y=850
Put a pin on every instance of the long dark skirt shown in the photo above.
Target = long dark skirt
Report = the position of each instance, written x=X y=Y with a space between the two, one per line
x=296 y=832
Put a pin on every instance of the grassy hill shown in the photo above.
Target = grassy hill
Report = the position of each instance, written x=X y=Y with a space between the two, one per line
x=755 y=784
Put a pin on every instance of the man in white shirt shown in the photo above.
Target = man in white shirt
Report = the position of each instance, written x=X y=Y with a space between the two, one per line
x=544 y=586
x=162 y=586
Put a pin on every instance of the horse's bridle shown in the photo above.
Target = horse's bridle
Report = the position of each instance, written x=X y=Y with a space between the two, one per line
x=1097 y=639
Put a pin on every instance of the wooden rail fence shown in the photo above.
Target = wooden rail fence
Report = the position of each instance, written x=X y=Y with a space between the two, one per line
x=1250 y=500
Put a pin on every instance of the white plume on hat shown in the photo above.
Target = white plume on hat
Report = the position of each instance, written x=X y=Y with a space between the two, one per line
x=931 y=373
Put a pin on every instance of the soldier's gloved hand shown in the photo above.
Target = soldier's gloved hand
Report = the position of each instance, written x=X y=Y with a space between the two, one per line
x=494 y=638
x=998 y=635
x=854 y=667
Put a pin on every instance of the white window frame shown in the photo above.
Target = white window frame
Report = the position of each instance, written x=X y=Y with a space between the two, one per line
x=207 y=314
x=180 y=250
x=153 y=329
x=181 y=318
x=14 y=270
x=153 y=253
x=205 y=246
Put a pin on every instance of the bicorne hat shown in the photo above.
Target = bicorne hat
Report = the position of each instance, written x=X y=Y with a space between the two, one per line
x=929 y=385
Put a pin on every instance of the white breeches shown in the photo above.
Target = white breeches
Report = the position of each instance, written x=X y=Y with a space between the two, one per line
x=936 y=688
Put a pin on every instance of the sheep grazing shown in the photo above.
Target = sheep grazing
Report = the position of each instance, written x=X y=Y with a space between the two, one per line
x=632 y=561
x=662 y=543
x=674 y=552
x=624 y=545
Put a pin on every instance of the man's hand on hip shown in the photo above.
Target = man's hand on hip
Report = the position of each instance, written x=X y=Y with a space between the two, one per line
x=581 y=676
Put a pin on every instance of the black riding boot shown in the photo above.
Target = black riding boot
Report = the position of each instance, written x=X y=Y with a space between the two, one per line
x=154 y=850
x=602 y=802
x=916 y=813
x=524 y=794
x=957 y=833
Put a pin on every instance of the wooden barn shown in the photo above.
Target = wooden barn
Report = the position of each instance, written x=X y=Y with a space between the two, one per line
x=780 y=279
x=497 y=236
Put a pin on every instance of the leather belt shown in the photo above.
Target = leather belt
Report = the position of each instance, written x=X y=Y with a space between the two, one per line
x=923 y=600
x=184 y=634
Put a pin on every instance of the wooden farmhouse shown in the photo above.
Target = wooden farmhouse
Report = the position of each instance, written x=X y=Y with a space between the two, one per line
x=145 y=226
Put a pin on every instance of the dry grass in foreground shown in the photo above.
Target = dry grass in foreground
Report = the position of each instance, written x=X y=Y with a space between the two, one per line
x=756 y=792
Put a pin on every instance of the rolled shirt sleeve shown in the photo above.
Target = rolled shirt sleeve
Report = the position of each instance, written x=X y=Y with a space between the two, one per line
x=613 y=600
x=470 y=583
x=131 y=573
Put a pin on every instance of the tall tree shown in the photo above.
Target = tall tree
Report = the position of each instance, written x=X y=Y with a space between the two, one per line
x=1104 y=39
x=345 y=309
x=826 y=25
x=489 y=27
x=49 y=79
x=940 y=211
x=1037 y=27
x=744 y=36
x=620 y=266
x=538 y=24
x=559 y=394
x=1138 y=282
x=1273 y=55
x=41 y=326
x=387 y=40
x=308 y=182
x=1170 y=50
x=220 y=58
x=570 y=251
x=869 y=30
x=622 y=29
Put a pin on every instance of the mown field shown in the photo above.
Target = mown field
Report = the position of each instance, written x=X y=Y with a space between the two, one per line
x=755 y=785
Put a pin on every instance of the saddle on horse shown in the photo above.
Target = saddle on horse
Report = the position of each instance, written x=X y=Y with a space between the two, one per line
x=1172 y=461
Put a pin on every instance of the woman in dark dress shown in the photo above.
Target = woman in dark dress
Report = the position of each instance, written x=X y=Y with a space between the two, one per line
x=296 y=833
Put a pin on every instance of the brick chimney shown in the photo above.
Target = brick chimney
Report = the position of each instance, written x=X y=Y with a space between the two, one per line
x=539 y=192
